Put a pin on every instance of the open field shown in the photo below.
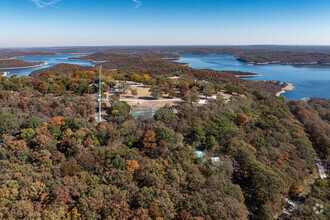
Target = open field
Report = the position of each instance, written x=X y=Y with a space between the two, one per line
x=144 y=101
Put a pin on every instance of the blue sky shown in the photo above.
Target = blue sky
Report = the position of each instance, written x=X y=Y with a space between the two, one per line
x=31 y=23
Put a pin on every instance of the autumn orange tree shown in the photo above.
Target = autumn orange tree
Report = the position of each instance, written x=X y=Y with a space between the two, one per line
x=58 y=120
x=132 y=166
x=149 y=141
x=241 y=119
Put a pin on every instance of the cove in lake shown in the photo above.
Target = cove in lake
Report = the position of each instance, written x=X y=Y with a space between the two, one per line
x=50 y=60
x=308 y=80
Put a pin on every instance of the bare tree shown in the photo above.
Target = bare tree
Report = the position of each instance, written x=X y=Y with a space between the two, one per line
x=134 y=92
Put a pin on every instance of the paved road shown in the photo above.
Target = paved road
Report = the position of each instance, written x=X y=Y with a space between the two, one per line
x=321 y=168
x=157 y=100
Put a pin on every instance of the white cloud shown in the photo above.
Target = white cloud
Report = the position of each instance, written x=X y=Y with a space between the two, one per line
x=137 y=3
x=45 y=3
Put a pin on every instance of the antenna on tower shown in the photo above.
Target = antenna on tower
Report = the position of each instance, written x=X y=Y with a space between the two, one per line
x=100 y=94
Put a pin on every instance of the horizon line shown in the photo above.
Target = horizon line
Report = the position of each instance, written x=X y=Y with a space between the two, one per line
x=169 y=45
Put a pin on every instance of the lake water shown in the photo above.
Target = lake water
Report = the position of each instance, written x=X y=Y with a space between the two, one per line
x=50 y=60
x=308 y=80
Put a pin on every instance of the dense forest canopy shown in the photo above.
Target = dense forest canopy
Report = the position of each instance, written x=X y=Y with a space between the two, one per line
x=61 y=69
x=58 y=162
x=322 y=106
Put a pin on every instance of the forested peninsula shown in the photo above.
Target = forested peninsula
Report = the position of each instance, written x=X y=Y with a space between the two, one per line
x=293 y=58
x=155 y=65
x=18 y=64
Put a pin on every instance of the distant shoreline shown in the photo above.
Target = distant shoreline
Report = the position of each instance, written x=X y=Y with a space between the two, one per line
x=281 y=63
x=172 y=58
x=286 y=88
x=94 y=61
x=248 y=76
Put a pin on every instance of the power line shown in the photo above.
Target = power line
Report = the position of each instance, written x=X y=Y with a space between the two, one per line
x=100 y=95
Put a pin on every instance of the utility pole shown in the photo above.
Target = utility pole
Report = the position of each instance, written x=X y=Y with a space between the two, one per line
x=100 y=94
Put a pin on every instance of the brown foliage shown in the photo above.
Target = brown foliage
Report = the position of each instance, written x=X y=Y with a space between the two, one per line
x=241 y=119
x=149 y=141
x=120 y=210
x=17 y=145
x=61 y=68
x=58 y=120
x=62 y=195
x=132 y=166
x=141 y=214
x=70 y=168
x=58 y=90
x=22 y=209
x=24 y=102
x=184 y=215
x=42 y=138
x=58 y=157
x=70 y=146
